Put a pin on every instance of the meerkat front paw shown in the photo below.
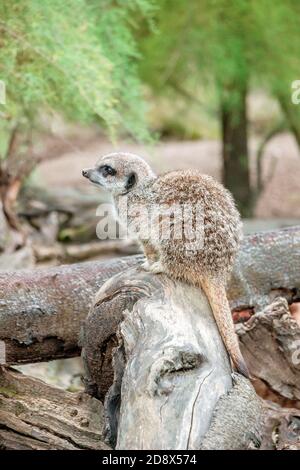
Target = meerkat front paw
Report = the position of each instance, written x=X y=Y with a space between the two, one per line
x=156 y=268
x=145 y=266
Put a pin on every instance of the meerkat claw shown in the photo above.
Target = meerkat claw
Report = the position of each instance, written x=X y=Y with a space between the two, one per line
x=145 y=266
x=156 y=268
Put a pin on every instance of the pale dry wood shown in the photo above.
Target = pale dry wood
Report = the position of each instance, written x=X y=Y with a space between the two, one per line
x=171 y=368
x=176 y=368
x=37 y=416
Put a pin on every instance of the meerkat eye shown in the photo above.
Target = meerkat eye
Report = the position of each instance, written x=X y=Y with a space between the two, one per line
x=131 y=180
x=107 y=170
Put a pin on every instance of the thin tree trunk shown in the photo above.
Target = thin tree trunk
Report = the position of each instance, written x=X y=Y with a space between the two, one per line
x=10 y=182
x=4 y=231
x=14 y=169
x=236 y=175
x=260 y=183
x=9 y=190
x=10 y=195
x=292 y=115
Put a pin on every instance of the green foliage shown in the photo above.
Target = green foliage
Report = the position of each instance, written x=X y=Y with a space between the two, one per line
x=230 y=44
x=78 y=58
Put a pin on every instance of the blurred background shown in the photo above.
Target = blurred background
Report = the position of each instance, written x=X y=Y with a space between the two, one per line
x=206 y=84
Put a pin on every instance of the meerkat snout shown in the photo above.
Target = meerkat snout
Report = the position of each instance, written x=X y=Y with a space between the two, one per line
x=93 y=175
x=85 y=173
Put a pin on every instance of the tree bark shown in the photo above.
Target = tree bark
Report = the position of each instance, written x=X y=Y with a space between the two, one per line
x=236 y=175
x=172 y=385
x=268 y=266
x=41 y=310
x=270 y=344
x=281 y=428
x=37 y=416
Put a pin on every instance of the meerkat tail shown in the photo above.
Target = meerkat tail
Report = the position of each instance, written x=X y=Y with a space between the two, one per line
x=216 y=294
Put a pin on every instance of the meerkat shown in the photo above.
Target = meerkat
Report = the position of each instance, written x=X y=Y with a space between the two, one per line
x=208 y=264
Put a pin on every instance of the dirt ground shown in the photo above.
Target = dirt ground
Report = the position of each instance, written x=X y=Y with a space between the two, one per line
x=280 y=198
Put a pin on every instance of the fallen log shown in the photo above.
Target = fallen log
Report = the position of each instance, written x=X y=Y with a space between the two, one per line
x=41 y=310
x=172 y=385
x=71 y=253
x=37 y=416
x=268 y=266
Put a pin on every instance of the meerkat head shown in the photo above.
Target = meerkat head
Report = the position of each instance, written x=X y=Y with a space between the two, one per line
x=119 y=173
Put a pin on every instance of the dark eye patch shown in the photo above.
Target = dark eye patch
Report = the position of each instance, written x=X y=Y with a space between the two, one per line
x=130 y=181
x=107 y=170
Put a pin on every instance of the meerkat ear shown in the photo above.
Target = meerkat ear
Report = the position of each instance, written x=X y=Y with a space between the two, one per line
x=131 y=180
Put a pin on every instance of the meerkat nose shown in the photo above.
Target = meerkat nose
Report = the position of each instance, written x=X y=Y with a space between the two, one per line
x=85 y=173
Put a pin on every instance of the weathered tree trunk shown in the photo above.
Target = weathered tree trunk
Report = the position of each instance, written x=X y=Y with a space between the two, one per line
x=172 y=371
x=37 y=416
x=236 y=175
